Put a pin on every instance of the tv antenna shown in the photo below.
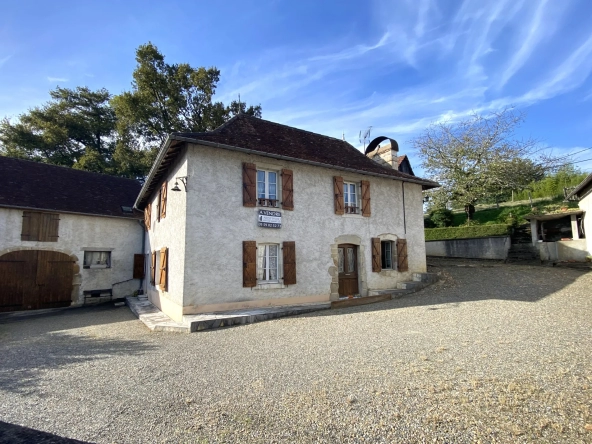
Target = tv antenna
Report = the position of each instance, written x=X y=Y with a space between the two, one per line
x=365 y=137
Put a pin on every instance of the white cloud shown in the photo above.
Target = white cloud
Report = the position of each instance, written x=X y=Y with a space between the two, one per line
x=3 y=60
x=56 y=79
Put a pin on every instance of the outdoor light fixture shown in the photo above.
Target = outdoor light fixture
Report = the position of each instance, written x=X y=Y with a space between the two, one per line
x=183 y=180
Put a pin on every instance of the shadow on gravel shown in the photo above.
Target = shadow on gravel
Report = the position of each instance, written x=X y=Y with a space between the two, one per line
x=40 y=342
x=470 y=281
x=15 y=434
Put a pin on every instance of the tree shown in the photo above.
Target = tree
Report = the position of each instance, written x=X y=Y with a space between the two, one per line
x=479 y=158
x=169 y=98
x=75 y=129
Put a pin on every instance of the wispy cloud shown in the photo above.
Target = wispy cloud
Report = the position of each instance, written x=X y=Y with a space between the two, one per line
x=3 y=60
x=56 y=79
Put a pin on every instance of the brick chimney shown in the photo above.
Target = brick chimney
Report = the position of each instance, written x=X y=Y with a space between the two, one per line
x=385 y=155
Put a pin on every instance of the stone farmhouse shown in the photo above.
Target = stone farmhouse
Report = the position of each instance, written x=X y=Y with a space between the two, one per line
x=251 y=214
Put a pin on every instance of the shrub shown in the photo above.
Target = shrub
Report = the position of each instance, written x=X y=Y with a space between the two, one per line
x=441 y=217
x=470 y=232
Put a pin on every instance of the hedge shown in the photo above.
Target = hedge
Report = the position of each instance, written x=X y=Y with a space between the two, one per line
x=475 y=231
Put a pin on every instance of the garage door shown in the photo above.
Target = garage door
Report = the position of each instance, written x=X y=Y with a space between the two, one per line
x=34 y=279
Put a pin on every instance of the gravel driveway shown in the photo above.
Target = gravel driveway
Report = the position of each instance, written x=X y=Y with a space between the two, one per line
x=492 y=353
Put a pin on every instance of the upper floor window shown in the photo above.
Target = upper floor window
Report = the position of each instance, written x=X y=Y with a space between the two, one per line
x=40 y=227
x=350 y=197
x=267 y=188
x=386 y=248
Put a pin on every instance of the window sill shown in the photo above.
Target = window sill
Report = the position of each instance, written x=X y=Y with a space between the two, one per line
x=388 y=272
x=354 y=216
x=269 y=286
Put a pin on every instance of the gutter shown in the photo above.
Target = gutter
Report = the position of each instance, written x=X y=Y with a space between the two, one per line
x=57 y=210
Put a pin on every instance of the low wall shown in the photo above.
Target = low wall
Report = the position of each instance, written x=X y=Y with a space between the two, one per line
x=480 y=248
x=571 y=250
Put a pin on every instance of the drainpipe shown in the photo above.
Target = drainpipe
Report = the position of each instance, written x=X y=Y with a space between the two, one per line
x=404 y=217
x=141 y=223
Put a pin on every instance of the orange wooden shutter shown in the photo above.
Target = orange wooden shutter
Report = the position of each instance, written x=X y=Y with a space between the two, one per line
x=249 y=263
x=289 y=249
x=287 y=190
x=402 y=262
x=365 y=198
x=148 y=216
x=164 y=267
x=338 y=194
x=163 y=200
x=376 y=260
x=153 y=269
x=249 y=185
x=138 y=266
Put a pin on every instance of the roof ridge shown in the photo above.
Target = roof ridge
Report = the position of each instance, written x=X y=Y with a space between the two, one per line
x=18 y=159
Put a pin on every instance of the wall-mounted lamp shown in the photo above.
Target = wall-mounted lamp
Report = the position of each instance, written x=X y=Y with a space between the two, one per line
x=183 y=180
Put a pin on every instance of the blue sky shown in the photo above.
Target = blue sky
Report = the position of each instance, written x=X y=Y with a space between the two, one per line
x=331 y=67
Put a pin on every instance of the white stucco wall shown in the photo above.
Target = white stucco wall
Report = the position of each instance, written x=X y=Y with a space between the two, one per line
x=169 y=232
x=586 y=205
x=77 y=233
x=218 y=223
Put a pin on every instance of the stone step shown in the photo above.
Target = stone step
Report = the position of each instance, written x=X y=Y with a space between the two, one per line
x=425 y=277
x=343 y=303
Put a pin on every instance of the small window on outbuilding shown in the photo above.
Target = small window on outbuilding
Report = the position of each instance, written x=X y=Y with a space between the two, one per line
x=97 y=259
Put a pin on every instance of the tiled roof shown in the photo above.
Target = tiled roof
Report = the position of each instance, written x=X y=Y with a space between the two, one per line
x=580 y=190
x=247 y=133
x=28 y=184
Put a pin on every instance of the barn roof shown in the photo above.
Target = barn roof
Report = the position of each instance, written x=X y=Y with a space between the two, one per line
x=35 y=185
x=257 y=136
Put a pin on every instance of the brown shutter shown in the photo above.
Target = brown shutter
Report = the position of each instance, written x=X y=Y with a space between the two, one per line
x=158 y=204
x=289 y=248
x=365 y=198
x=163 y=200
x=402 y=263
x=148 y=216
x=249 y=185
x=287 y=190
x=138 y=266
x=153 y=269
x=164 y=268
x=53 y=226
x=27 y=233
x=376 y=260
x=249 y=263
x=338 y=194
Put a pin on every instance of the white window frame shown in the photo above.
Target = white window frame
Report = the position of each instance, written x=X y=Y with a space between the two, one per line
x=263 y=272
x=91 y=265
x=382 y=254
x=265 y=201
x=348 y=207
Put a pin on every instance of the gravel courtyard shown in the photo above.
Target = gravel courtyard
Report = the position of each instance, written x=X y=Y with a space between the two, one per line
x=492 y=353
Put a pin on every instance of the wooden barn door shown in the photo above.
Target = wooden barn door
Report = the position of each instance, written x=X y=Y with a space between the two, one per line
x=34 y=279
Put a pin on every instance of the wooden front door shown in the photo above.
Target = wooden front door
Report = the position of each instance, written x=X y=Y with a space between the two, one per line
x=34 y=279
x=348 y=269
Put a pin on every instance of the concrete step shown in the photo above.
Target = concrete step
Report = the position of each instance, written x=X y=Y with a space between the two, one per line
x=343 y=303
x=425 y=277
x=410 y=285
x=152 y=317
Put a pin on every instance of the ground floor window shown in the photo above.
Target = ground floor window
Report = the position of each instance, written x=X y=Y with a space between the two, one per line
x=97 y=259
x=386 y=248
x=268 y=262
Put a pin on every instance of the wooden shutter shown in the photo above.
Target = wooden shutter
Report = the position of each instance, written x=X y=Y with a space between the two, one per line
x=164 y=267
x=138 y=266
x=51 y=225
x=163 y=200
x=249 y=263
x=365 y=198
x=338 y=194
x=148 y=216
x=376 y=259
x=249 y=185
x=289 y=249
x=153 y=269
x=30 y=228
x=402 y=263
x=287 y=190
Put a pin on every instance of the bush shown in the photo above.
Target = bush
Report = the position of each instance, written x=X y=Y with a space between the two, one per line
x=470 y=232
x=427 y=222
x=441 y=217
